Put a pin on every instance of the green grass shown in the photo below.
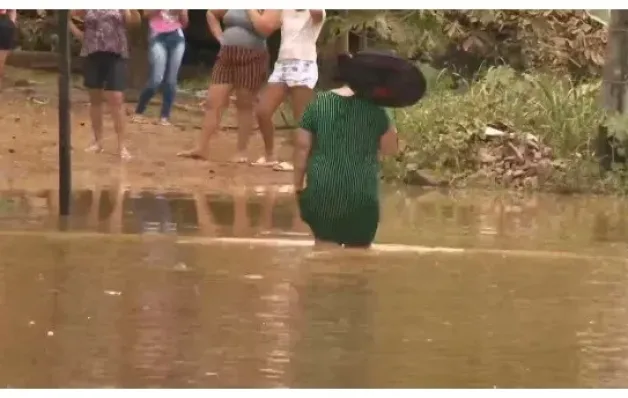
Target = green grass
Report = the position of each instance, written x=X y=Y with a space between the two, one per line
x=438 y=131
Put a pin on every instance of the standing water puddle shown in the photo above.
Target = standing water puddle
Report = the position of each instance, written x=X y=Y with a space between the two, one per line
x=139 y=293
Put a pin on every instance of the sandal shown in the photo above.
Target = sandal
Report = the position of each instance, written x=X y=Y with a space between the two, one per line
x=191 y=155
x=94 y=148
x=125 y=154
x=139 y=119
x=263 y=162
x=283 y=166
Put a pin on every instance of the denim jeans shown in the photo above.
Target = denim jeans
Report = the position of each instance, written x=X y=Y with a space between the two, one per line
x=165 y=53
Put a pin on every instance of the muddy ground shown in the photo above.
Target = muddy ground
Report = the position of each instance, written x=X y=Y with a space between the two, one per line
x=29 y=150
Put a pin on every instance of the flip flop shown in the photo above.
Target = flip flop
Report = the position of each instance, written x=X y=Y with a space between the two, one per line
x=262 y=162
x=283 y=166
x=191 y=155
x=94 y=148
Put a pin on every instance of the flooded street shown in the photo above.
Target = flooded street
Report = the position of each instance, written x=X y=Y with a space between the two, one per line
x=170 y=289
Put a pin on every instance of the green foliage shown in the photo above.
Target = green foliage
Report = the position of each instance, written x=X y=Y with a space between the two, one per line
x=441 y=132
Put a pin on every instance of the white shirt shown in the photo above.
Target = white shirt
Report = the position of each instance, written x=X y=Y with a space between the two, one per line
x=298 y=35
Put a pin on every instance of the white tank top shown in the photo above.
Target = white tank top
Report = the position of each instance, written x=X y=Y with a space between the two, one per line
x=298 y=35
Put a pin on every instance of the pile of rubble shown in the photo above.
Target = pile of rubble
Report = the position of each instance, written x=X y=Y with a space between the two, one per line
x=514 y=160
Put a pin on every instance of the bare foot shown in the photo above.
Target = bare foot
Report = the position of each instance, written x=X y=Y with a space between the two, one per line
x=125 y=154
x=95 y=147
x=240 y=158
x=137 y=118
x=192 y=154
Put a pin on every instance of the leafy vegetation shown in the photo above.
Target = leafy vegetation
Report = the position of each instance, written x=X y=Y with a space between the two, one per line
x=445 y=132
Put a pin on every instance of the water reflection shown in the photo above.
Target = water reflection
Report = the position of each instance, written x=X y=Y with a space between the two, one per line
x=431 y=218
x=242 y=212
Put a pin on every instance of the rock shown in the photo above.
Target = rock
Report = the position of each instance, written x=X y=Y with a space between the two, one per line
x=531 y=182
x=544 y=168
x=485 y=157
x=518 y=173
x=507 y=178
x=515 y=151
x=23 y=83
x=492 y=132
x=422 y=178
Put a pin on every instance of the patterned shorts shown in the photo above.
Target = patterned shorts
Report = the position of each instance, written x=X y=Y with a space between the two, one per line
x=295 y=72
x=241 y=67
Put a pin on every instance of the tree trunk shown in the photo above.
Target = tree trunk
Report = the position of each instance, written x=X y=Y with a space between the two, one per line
x=615 y=85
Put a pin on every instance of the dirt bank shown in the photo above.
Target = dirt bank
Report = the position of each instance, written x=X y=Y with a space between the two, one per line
x=29 y=151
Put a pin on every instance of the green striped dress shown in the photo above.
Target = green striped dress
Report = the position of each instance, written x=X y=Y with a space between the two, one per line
x=341 y=199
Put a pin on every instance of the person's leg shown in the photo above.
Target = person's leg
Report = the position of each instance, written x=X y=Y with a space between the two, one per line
x=7 y=42
x=215 y=103
x=3 y=60
x=300 y=98
x=272 y=97
x=157 y=60
x=115 y=84
x=244 y=113
x=176 y=49
x=301 y=79
x=95 y=115
x=250 y=75
x=93 y=80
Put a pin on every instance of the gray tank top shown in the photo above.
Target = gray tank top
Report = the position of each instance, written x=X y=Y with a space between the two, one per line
x=239 y=31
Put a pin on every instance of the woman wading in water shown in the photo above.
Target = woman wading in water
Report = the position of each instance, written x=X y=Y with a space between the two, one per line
x=341 y=135
x=242 y=65
x=8 y=21
x=165 y=53
x=295 y=73
x=106 y=50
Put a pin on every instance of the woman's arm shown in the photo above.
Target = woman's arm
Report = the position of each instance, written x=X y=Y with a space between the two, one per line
x=131 y=17
x=214 y=23
x=148 y=14
x=302 y=147
x=265 y=22
x=12 y=14
x=76 y=32
x=389 y=142
x=317 y=15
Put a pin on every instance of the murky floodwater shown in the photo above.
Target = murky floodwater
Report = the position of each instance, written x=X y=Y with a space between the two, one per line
x=537 y=299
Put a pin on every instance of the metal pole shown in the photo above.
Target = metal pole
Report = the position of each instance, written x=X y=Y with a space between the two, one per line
x=65 y=163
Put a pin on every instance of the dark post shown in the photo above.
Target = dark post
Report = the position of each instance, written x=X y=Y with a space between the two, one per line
x=615 y=85
x=65 y=164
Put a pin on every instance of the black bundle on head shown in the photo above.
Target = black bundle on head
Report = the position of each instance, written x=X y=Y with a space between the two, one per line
x=382 y=77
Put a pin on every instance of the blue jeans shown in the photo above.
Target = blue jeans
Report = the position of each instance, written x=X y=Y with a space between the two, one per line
x=165 y=53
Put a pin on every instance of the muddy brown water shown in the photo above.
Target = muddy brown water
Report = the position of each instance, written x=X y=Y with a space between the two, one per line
x=138 y=293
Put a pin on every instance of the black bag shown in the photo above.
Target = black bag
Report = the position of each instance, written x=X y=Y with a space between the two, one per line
x=383 y=78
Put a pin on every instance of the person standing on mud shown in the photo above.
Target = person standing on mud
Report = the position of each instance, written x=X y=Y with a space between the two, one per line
x=165 y=53
x=105 y=50
x=295 y=72
x=342 y=133
x=242 y=65
x=8 y=29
